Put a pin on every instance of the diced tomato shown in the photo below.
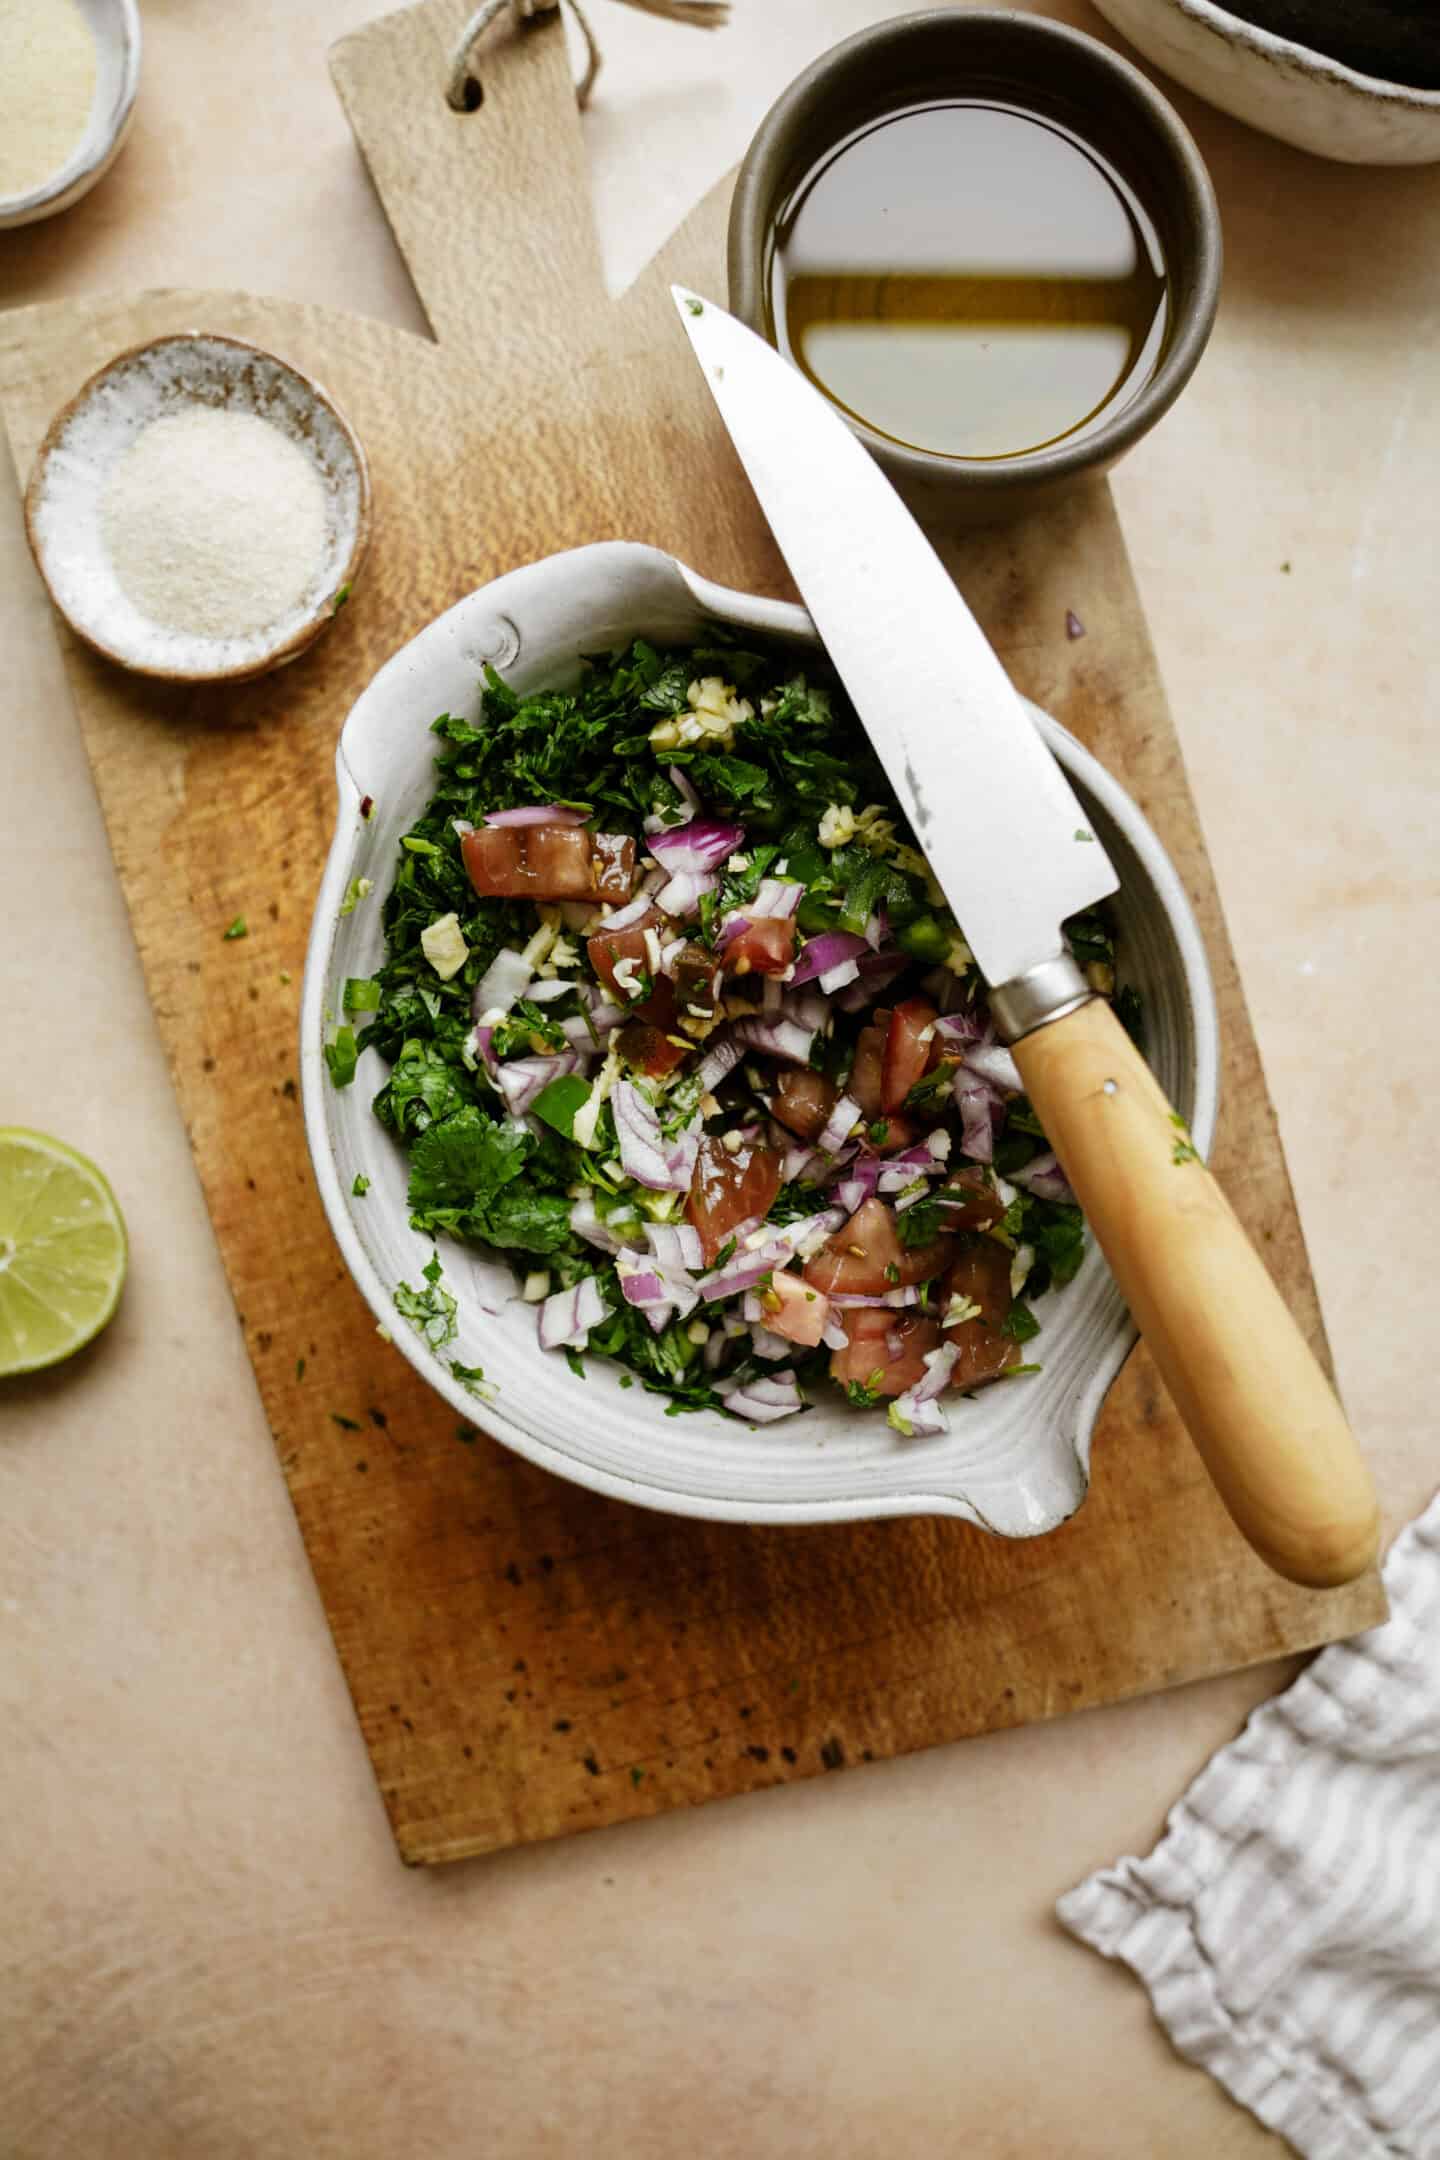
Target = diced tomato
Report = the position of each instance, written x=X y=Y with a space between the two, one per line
x=549 y=862
x=609 y=949
x=730 y=1188
x=697 y=978
x=650 y=1050
x=803 y=1100
x=766 y=948
x=794 y=1309
x=865 y=1258
x=980 y=1205
x=981 y=1273
x=888 y=1135
x=864 y=1081
x=907 y=1048
x=885 y=1351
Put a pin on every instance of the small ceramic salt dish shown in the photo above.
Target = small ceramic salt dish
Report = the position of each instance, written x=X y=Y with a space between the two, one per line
x=80 y=472
x=114 y=26
x=1280 y=87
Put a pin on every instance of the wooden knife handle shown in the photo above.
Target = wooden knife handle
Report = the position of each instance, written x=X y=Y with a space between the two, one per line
x=1262 y=1414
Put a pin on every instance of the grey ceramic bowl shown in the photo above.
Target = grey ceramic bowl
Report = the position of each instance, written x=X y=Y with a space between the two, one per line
x=1051 y=70
x=1284 y=89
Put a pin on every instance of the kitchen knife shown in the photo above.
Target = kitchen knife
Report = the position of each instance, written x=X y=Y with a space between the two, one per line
x=1012 y=849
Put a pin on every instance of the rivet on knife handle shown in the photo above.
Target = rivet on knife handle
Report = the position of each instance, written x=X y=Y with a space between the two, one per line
x=1259 y=1409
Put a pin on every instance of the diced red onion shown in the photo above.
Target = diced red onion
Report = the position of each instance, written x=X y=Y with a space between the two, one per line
x=567 y=1318
x=837 y=978
x=977 y=1128
x=926 y=1159
x=960 y=1027
x=765 y=1343
x=993 y=1062
x=505 y=979
x=689 y=800
x=939 y=1364
x=834 y=1336
x=798 y=1159
x=1044 y=1177
x=680 y=895
x=877 y=929
x=670 y=953
x=877 y=972
x=772 y=996
x=776 y=899
x=701 y=845
x=778 y=1038
x=809 y=1007
x=546 y=992
x=587 y=1222
x=655 y=1291
x=537 y=814
x=521 y=1080
x=576 y=914
x=839 y=1125
x=906 y=1294
x=761 y=1401
x=723 y=1055
x=604 y=1019
x=923 y=1415
x=858 y=1183
x=733 y=926
x=1020 y=1266
x=675 y=1245
x=827 y=951
x=482 y=1045
x=745 y=1267
x=623 y=918
x=663 y=1165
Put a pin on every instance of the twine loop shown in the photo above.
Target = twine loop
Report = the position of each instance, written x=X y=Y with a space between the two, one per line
x=463 y=92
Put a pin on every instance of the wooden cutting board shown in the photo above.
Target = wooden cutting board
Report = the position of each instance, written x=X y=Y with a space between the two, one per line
x=525 y=1658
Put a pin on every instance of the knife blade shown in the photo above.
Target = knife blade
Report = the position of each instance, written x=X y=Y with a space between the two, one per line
x=1010 y=845
x=994 y=814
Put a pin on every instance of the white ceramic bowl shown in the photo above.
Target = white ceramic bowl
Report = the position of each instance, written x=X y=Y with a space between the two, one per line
x=1016 y=1458
x=1284 y=89
x=115 y=27
x=89 y=436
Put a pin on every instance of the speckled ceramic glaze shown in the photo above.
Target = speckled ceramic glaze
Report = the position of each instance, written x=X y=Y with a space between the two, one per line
x=1284 y=89
x=115 y=27
x=1016 y=1457
x=88 y=438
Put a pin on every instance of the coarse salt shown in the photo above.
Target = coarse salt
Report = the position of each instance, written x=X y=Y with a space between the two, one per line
x=215 y=522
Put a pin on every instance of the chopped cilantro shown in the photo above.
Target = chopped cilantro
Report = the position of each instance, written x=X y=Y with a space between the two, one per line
x=238 y=929
x=357 y=890
x=340 y=1057
x=431 y=1311
x=1019 y=1323
x=361 y=1185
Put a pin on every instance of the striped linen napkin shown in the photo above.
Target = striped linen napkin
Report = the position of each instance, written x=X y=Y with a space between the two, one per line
x=1287 y=1925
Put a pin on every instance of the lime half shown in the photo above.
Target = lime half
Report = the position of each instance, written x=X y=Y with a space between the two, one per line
x=62 y=1251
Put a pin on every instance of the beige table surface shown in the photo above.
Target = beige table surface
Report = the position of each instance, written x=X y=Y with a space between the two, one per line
x=207 y=1946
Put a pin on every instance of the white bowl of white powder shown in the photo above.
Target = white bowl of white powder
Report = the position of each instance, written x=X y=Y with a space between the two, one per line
x=69 y=71
x=199 y=510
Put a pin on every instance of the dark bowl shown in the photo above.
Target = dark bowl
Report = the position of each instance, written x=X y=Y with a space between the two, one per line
x=1060 y=74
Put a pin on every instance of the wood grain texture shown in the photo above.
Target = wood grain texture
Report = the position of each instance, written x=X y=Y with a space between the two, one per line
x=1254 y=1399
x=525 y=1658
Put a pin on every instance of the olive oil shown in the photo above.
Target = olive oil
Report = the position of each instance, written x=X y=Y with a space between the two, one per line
x=970 y=278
